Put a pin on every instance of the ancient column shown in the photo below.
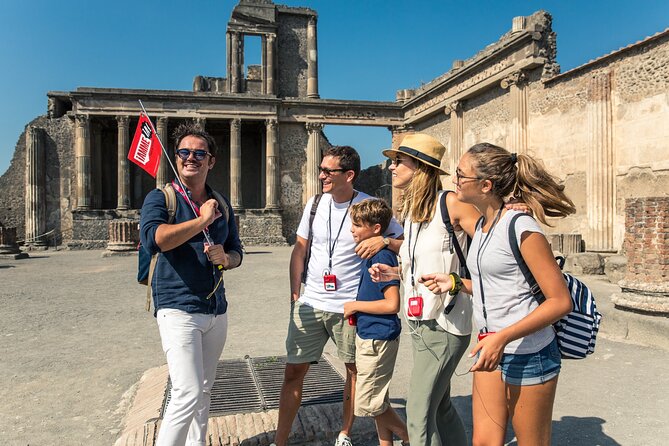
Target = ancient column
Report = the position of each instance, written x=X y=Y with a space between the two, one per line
x=96 y=164
x=272 y=166
x=137 y=187
x=228 y=60
x=312 y=59
x=518 y=24
x=35 y=199
x=516 y=83
x=236 y=164
x=645 y=286
x=82 y=149
x=312 y=184
x=454 y=109
x=162 y=177
x=123 y=236
x=123 y=170
x=234 y=62
x=263 y=64
x=599 y=174
x=271 y=41
x=9 y=249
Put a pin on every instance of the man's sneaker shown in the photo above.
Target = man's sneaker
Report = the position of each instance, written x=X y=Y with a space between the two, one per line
x=343 y=440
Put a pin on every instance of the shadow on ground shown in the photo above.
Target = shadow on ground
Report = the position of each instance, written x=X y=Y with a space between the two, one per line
x=575 y=431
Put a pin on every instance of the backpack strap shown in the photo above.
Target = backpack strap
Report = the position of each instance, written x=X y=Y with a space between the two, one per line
x=312 y=215
x=464 y=272
x=515 y=249
x=451 y=232
x=171 y=205
x=170 y=202
x=223 y=206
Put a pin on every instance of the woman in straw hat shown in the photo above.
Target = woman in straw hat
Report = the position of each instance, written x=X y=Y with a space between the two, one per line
x=440 y=324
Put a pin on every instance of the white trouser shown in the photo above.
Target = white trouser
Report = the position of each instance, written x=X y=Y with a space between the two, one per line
x=192 y=343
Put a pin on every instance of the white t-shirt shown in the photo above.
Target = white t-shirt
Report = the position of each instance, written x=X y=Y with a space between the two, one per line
x=346 y=265
x=431 y=253
x=507 y=295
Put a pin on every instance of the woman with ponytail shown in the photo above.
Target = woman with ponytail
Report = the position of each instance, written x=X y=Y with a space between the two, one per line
x=517 y=358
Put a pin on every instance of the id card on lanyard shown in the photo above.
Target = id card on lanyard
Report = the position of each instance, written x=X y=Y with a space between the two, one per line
x=415 y=302
x=330 y=279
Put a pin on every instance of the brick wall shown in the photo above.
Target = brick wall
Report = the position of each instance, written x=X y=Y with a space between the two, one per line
x=647 y=242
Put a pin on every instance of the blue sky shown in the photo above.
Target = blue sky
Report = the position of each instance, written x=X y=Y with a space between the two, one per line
x=368 y=49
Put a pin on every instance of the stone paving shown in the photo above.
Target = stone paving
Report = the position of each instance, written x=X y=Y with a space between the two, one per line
x=75 y=341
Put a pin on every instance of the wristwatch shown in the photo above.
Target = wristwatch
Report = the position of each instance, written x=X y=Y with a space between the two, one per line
x=456 y=284
x=386 y=241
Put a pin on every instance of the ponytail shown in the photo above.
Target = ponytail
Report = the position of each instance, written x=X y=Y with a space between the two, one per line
x=521 y=177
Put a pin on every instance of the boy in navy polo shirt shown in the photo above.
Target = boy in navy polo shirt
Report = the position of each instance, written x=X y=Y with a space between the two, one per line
x=378 y=327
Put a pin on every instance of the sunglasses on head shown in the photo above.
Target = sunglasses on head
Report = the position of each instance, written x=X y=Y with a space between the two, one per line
x=198 y=154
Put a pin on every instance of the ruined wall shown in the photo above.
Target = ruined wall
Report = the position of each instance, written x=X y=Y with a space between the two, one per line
x=439 y=127
x=565 y=117
x=376 y=181
x=292 y=142
x=60 y=179
x=559 y=132
x=486 y=118
x=12 y=183
x=292 y=54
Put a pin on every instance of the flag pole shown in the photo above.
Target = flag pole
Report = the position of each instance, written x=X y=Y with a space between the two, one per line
x=176 y=174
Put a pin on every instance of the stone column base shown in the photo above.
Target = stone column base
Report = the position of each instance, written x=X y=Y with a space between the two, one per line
x=655 y=304
x=36 y=246
x=15 y=256
x=9 y=249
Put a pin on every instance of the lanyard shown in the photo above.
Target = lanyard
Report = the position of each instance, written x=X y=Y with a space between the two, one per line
x=183 y=193
x=333 y=243
x=483 y=244
x=412 y=255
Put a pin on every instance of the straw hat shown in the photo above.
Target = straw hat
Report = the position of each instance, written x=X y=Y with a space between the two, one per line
x=421 y=147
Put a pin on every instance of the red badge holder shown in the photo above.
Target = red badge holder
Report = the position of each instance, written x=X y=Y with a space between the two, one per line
x=485 y=334
x=330 y=282
x=415 y=306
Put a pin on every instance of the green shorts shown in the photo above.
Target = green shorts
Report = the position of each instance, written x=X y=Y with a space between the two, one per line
x=309 y=330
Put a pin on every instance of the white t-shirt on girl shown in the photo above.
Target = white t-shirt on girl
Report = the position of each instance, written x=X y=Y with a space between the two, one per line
x=507 y=295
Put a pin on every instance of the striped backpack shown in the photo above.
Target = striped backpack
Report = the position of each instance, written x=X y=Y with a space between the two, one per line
x=577 y=331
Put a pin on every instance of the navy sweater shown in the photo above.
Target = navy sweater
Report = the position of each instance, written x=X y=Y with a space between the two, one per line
x=183 y=276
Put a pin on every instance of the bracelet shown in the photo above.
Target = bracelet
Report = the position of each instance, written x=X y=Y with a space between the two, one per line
x=456 y=284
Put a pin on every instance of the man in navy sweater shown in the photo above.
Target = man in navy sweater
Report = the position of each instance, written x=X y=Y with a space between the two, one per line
x=188 y=293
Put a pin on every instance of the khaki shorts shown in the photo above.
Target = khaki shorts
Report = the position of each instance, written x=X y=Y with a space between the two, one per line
x=375 y=361
x=309 y=330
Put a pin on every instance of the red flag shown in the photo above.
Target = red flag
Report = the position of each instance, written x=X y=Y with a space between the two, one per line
x=145 y=148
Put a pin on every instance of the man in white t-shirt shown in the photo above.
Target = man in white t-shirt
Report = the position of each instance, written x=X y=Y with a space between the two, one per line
x=333 y=274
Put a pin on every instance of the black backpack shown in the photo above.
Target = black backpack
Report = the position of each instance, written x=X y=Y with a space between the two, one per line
x=464 y=272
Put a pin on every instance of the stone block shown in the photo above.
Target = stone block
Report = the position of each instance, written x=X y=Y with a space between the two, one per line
x=657 y=304
x=589 y=263
x=615 y=267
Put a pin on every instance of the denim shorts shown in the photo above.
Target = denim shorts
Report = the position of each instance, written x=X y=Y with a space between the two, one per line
x=532 y=368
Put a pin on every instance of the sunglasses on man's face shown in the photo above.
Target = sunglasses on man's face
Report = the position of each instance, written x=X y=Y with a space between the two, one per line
x=327 y=172
x=198 y=154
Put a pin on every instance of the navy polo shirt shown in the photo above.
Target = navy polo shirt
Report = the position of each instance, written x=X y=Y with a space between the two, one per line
x=377 y=326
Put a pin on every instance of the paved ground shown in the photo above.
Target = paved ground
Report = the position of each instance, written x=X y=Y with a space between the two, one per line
x=74 y=340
